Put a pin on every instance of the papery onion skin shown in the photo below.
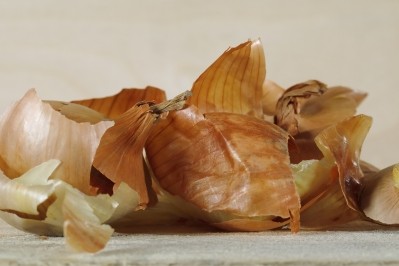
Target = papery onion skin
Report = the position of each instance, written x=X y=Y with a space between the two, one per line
x=82 y=229
x=233 y=83
x=224 y=162
x=32 y=132
x=77 y=112
x=114 y=106
x=37 y=204
x=343 y=142
x=332 y=200
x=379 y=198
x=289 y=105
x=307 y=108
x=119 y=157
x=272 y=92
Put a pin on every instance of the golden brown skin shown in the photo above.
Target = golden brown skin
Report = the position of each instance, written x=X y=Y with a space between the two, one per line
x=224 y=162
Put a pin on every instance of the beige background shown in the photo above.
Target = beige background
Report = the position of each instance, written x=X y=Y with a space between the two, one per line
x=78 y=49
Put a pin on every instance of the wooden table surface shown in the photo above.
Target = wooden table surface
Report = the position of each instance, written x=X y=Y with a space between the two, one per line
x=179 y=247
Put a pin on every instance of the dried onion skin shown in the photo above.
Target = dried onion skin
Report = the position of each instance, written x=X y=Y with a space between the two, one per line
x=223 y=162
x=114 y=106
x=233 y=83
x=32 y=132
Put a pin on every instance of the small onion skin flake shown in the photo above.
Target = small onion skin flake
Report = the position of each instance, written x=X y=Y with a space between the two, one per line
x=114 y=106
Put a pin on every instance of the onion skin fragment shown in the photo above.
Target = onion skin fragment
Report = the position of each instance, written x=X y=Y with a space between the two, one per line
x=77 y=112
x=37 y=204
x=311 y=106
x=32 y=132
x=233 y=83
x=379 y=199
x=26 y=199
x=114 y=106
x=223 y=162
x=307 y=108
x=343 y=143
x=323 y=203
x=330 y=187
x=272 y=92
x=119 y=157
x=289 y=105
x=82 y=229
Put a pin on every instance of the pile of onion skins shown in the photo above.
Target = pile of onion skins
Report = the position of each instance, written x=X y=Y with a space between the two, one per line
x=236 y=152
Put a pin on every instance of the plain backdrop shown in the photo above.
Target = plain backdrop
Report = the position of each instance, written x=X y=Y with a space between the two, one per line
x=81 y=49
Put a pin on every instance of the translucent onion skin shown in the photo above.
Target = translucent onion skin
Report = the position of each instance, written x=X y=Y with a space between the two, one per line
x=119 y=157
x=233 y=83
x=333 y=185
x=311 y=106
x=32 y=132
x=343 y=143
x=114 y=106
x=380 y=196
x=223 y=162
x=307 y=108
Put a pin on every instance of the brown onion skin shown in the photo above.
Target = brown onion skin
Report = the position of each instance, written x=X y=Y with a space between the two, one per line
x=224 y=162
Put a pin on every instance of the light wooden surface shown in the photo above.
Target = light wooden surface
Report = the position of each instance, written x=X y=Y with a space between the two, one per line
x=339 y=247
x=79 y=49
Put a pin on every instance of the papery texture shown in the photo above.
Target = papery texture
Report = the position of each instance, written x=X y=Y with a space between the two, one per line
x=37 y=204
x=330 y=187
x=77 y=112
x=307 y=108
x=379 y=198
x=28 y=196
x=311 y=106
x=113 y=106
x=224 y=162
x=32 y=132
x=344 y=142
x=83 y=230
x=119 y=157
x=233 y=83
x=271 y=94
x=323 y=203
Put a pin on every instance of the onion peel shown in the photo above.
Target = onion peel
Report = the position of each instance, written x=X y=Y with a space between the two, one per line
x=119 y=157
x=114 y=106
x=233 y=83
x=209 y=161
x=32 y=132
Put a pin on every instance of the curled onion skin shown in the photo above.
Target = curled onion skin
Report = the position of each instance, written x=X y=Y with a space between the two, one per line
x=312 y=106
x=114 y=106
x=224 y=162
x=32 y=132
x=307 y=108
x=380 y=196
x=343 y=143
x=119 y=157
x=233 y=83
x=35 y=203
